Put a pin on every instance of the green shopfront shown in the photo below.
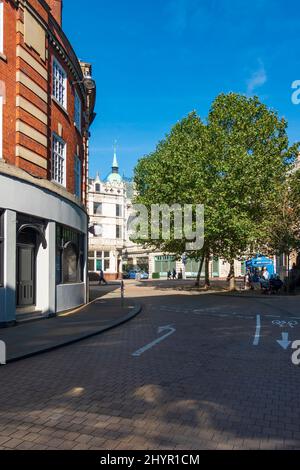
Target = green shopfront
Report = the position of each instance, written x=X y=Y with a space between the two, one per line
x=164 y=264
x=192 y=268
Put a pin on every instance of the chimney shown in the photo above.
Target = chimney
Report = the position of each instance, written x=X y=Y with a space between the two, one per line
x=56 y=9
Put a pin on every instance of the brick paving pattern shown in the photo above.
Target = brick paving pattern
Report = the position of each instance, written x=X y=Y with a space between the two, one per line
x=205 y=387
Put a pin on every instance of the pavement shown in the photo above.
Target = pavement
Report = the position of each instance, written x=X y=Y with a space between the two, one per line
x=105 y=312
x=192 y=371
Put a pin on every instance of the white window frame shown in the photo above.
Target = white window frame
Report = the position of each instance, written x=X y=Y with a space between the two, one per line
x=78 y=176
x=1 y=27
x=62 y=181
x=56 y=95
x=77 y=111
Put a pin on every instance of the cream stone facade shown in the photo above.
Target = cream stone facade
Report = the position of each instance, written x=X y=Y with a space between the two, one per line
x=110 y=248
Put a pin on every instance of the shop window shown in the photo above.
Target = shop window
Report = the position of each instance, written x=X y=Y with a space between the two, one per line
x=69 y=256
x=91 y=265
x=70 y=263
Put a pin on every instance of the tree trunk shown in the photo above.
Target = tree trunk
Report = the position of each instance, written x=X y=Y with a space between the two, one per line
x=197 y=284
x=207 y=280
x=231 y=277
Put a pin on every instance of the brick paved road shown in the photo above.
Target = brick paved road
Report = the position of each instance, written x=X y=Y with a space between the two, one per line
x=204 y=387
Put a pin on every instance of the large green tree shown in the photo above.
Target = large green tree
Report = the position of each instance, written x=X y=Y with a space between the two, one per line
x=252 y=152
x=235 y=164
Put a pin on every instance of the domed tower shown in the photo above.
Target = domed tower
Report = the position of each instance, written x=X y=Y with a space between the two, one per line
x=114 y=176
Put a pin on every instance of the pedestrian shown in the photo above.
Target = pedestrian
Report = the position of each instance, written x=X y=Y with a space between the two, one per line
x=169 y=275
x=265 y=274
x=102 y=278
x=255 y=281
x=174 y=274
x=247 y=280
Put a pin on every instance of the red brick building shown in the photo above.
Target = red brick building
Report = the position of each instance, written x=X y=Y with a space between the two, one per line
x=47 y=100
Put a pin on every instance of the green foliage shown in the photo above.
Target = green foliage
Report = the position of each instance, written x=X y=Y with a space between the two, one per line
x=155 y=275
x=236 y=165
x=284 y=229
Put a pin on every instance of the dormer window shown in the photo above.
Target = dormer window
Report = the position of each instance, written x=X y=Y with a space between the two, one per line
x=97 y=188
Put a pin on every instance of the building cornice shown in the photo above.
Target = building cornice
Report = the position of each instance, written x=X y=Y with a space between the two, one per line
x=17 y=173
x=71 y=60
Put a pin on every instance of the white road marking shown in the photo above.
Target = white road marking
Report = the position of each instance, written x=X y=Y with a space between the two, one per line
x=257 y=332
x=171 y=331
x=282 y=323
x=284 y=343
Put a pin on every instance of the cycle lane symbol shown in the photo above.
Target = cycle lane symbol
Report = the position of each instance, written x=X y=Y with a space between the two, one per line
x=285 y=324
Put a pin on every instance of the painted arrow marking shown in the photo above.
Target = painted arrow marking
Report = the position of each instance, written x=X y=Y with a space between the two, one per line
x=284 y=343
x=171 y=330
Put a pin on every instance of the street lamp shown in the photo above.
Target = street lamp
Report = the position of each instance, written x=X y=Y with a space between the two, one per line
x=88 y=83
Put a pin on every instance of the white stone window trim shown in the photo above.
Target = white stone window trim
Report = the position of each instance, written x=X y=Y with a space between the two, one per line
x=63 y=157
x=63 y=101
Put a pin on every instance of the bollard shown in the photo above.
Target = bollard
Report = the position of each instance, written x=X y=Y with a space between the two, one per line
x=2 y=353
x=122 y=293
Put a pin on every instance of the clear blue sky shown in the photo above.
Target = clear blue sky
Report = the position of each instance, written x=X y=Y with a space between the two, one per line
x=156 y=60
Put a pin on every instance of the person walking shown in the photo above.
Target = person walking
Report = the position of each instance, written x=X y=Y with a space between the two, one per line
x=169 y=275
x=102 y=278
x=174 y=274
